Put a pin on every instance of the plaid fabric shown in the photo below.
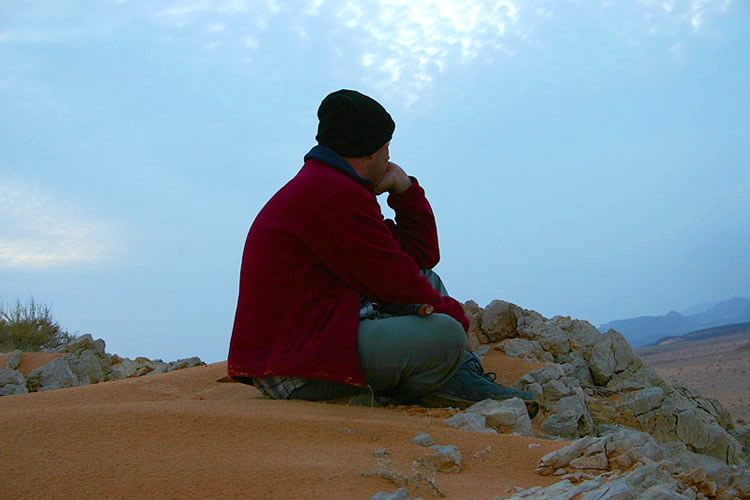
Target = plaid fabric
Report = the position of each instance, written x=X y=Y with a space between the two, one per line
x=283 y=387
x=279 y=387
x=366 y=309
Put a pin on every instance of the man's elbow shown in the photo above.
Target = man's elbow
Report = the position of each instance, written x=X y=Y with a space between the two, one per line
x=429 y=259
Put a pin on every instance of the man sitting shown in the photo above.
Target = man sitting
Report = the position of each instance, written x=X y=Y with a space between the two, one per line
x=321 y=265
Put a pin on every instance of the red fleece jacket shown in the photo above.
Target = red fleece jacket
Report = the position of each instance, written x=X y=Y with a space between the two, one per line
x=319 y=244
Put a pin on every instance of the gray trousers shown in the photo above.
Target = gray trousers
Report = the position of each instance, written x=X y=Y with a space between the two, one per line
x=405 y=357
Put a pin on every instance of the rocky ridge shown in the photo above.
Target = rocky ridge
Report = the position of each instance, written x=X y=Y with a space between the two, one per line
x=633 y=435
x=83 y=361
x=632 y=431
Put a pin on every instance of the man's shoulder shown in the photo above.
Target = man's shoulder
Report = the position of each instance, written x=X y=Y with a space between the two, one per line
x=317 y=185
x=323 y=180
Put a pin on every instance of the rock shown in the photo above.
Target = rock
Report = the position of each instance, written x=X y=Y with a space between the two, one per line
x=445 y=459
x=483 y=452
x=422 y=439
x=499 y=321
x=13 y=360
x=554 y=390
x=54 y=375
x=644 y=401
x=564 y=425
x=536 y=390
x=593 y=457
x=156 y=366
x=550 y=371
x=562 y=399
x=468 y=422
x=474 y=313
x=610 y=355
x=12 y=382
x=742 y=435
x=581 y=334
x=695 y=429
x=10 y=376
x=185 y=363
x=399 y=494
x=83 y=343
x=524 y=349
x=127 y=368
x=11 y=389
x=509 y=416
x=552 y=338
x=86 y=366
x=382 y=452
x=653 y=465
x=563 y=456
x=635 y=378
x=578 y=368
x=631 y=485
x=86 y=362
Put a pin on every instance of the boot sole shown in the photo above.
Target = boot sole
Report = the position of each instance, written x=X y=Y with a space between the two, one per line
x=438 y=400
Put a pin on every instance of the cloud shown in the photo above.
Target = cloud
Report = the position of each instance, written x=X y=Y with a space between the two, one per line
x=407 y=44
x=404 y=47
x=691 y=13
x=215 y=28
x=54 y=35
x=40 y=231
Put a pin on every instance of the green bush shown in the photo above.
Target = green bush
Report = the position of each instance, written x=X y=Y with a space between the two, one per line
x=29 y=327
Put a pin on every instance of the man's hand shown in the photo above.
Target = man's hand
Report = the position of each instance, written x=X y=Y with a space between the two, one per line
x=394 y=180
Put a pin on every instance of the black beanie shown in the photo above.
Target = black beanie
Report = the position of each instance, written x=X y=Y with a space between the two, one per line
x=353 y=124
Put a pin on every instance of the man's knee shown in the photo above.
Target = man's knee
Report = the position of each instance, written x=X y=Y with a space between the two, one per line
x=448 y=332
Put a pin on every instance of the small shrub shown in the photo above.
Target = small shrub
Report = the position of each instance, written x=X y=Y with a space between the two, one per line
x=29 y=327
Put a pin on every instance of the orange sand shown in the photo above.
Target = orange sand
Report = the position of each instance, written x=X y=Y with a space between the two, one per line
x=183 y=434
x=31 y=360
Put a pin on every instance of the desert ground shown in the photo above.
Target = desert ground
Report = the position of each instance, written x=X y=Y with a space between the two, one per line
x=184 y=433
x=717 y=368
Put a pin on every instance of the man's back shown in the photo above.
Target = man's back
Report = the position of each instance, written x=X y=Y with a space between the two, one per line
x=320 y=249
x=316 y=247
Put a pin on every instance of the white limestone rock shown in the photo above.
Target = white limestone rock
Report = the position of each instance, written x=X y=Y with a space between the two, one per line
x=56 y=374
x=422 y=439
x=444 y=459
x=610 y=355
x=10 y=376
x=83 y=343
x=742 y=435
x=499 y=320
x=399 y=494
x=468 y=422
x=87 y=367
x=507 y=417
x=581 y=334
x=12 y=382
x=552 y=338
x=529 y=350
x=13 y=360
x=184 y=363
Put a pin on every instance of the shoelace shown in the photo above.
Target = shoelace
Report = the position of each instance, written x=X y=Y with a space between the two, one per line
x=476 y=366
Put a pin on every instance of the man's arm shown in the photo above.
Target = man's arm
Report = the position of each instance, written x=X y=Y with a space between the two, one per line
x=395 y=180
x=415 y=228
x=348 y=234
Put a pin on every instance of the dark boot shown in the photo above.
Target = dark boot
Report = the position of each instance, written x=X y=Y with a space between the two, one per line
x=472 y=384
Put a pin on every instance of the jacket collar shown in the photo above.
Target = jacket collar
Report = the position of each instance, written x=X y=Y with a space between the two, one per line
x=335 y=160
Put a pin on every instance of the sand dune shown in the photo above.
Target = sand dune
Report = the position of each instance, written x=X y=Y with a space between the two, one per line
x=717 y=367
x=183 y=433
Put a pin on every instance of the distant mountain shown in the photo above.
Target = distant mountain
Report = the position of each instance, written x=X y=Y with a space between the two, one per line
x=698 y=308
x=647 y=329
x=707 y=333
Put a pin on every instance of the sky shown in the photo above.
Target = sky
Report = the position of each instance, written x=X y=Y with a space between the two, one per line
x=583 y=158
